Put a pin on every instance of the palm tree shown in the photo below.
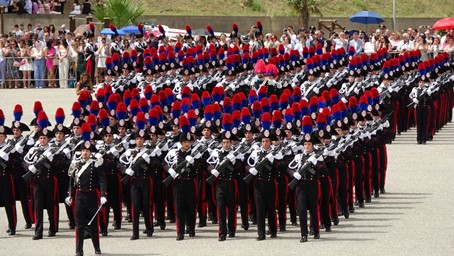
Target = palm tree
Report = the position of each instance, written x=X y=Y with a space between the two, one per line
x=305 y=8
x=120 y=12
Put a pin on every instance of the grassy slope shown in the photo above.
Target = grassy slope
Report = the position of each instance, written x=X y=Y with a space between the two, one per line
x=331 y=8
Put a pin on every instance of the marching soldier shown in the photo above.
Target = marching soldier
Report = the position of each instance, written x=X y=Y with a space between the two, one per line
x=7 y=195
x=225 y=189
x=88 y=184
x=44 y=181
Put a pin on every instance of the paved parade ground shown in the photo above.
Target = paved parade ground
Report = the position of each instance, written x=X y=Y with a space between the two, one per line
x=414 y=217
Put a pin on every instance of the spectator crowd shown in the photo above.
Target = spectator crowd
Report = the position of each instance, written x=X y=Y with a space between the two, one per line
x=45 y=6
x=37 y=56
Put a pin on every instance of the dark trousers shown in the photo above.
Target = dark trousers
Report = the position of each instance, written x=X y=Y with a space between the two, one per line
x=202 y=196
x=126 y=190
x=307 y=196
x=24 y=195
x=63 y=181
x=375 y=156
x=86 y=206
x=45 y=192
x=359 y=180
x=243 y=200
x=367 y=173
x=170 y=202
x=333 y=174
x=342 y=189
x=226 y=200
x=115 y=201
x=141 y=199
x=185 y=204
x=291 y=197
x=159 y=197
x=282 y=192
x=265 y=203
x=383 y=164
x=326 y=197
x=422 y=112
x=8 y=200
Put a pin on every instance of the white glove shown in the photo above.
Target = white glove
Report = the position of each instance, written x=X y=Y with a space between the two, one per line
x=429 y=92
x=19 y=148
x=114 y=151
x=30 y=142
x=390 y=89
x=231 y=158
x=157 y=152
x=316 y=90
x=99 y=162
x=215 y=172
x=32 y=169
x=240 y=157
x=189 y=159
x=49 y=155
x=103 y=200
x=253 y=171
x=312 y=159
x=415 y=100
x=4 y=156
x=296 y=175
x=270 y=157
x=67 y=152
x=146 y=157
x=356 y=91
x=172 y=173
x=129 y=172
x=98 y=155
x=278 y=156
x=386 y=124
x=344 y=100
x=68 y=200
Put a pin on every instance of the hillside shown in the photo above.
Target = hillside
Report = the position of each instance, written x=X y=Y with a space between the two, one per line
x=331 y=8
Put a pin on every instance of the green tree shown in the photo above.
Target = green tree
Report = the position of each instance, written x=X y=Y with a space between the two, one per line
x=305 y=8
x=120 y=12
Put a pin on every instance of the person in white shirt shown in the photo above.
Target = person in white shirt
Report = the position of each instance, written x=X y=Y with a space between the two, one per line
x=406 y=44
x=356 y=43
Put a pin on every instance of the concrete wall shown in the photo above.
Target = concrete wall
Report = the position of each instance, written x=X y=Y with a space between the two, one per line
x=219 y=24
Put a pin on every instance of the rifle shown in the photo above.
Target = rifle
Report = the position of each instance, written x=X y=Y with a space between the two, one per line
x=139 y=162
x=43 y=162
x=264 y=162
x=199 y=151
x=5 y=151
x=306 y=167
x=226 y=164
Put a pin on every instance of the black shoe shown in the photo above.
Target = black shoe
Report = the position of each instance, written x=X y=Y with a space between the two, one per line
x=346 y=214
x=149 y=233
x=356 y=203
x=268 y=232
x=213 y=221
x=368 y=200
x=419 y=142
x=37 y=237
x=134 y=237
x=254 y=222
x=317 y=236
x=79 y=253
x=335 y=220
x=162 y=225
x=282 y=229
x=245 y=226
x=8 y=230
x=231 y=235
x=12 y=232
x=72 y=226
x=172 y=220
x=180 y=237
x=117 y=226
x=202 y=224
x=361 y=205
x=51 y=234
x=273 y=235
x=322 y=226
x=303 y=239
x=376 y=194
x=192 y=234
x=221 y=238
x=294 y=223
x=97 y=251
x=328 y=229
x=28 y=226
x=261 y=238
x=311 y=231
x=382 y=191
x=104 y=233
x=352 y=210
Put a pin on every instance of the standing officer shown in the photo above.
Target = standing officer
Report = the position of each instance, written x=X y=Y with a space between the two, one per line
x=88 y=184
x=6 y=179
x=421 y=99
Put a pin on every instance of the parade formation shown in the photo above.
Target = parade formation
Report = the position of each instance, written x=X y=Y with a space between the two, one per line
x=187 y=135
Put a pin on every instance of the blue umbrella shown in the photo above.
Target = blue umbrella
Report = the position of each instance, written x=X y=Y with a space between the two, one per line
x=131 y=29
x=108 y=31
x=366 y=17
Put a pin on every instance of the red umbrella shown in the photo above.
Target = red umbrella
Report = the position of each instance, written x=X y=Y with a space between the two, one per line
x=443 y=24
